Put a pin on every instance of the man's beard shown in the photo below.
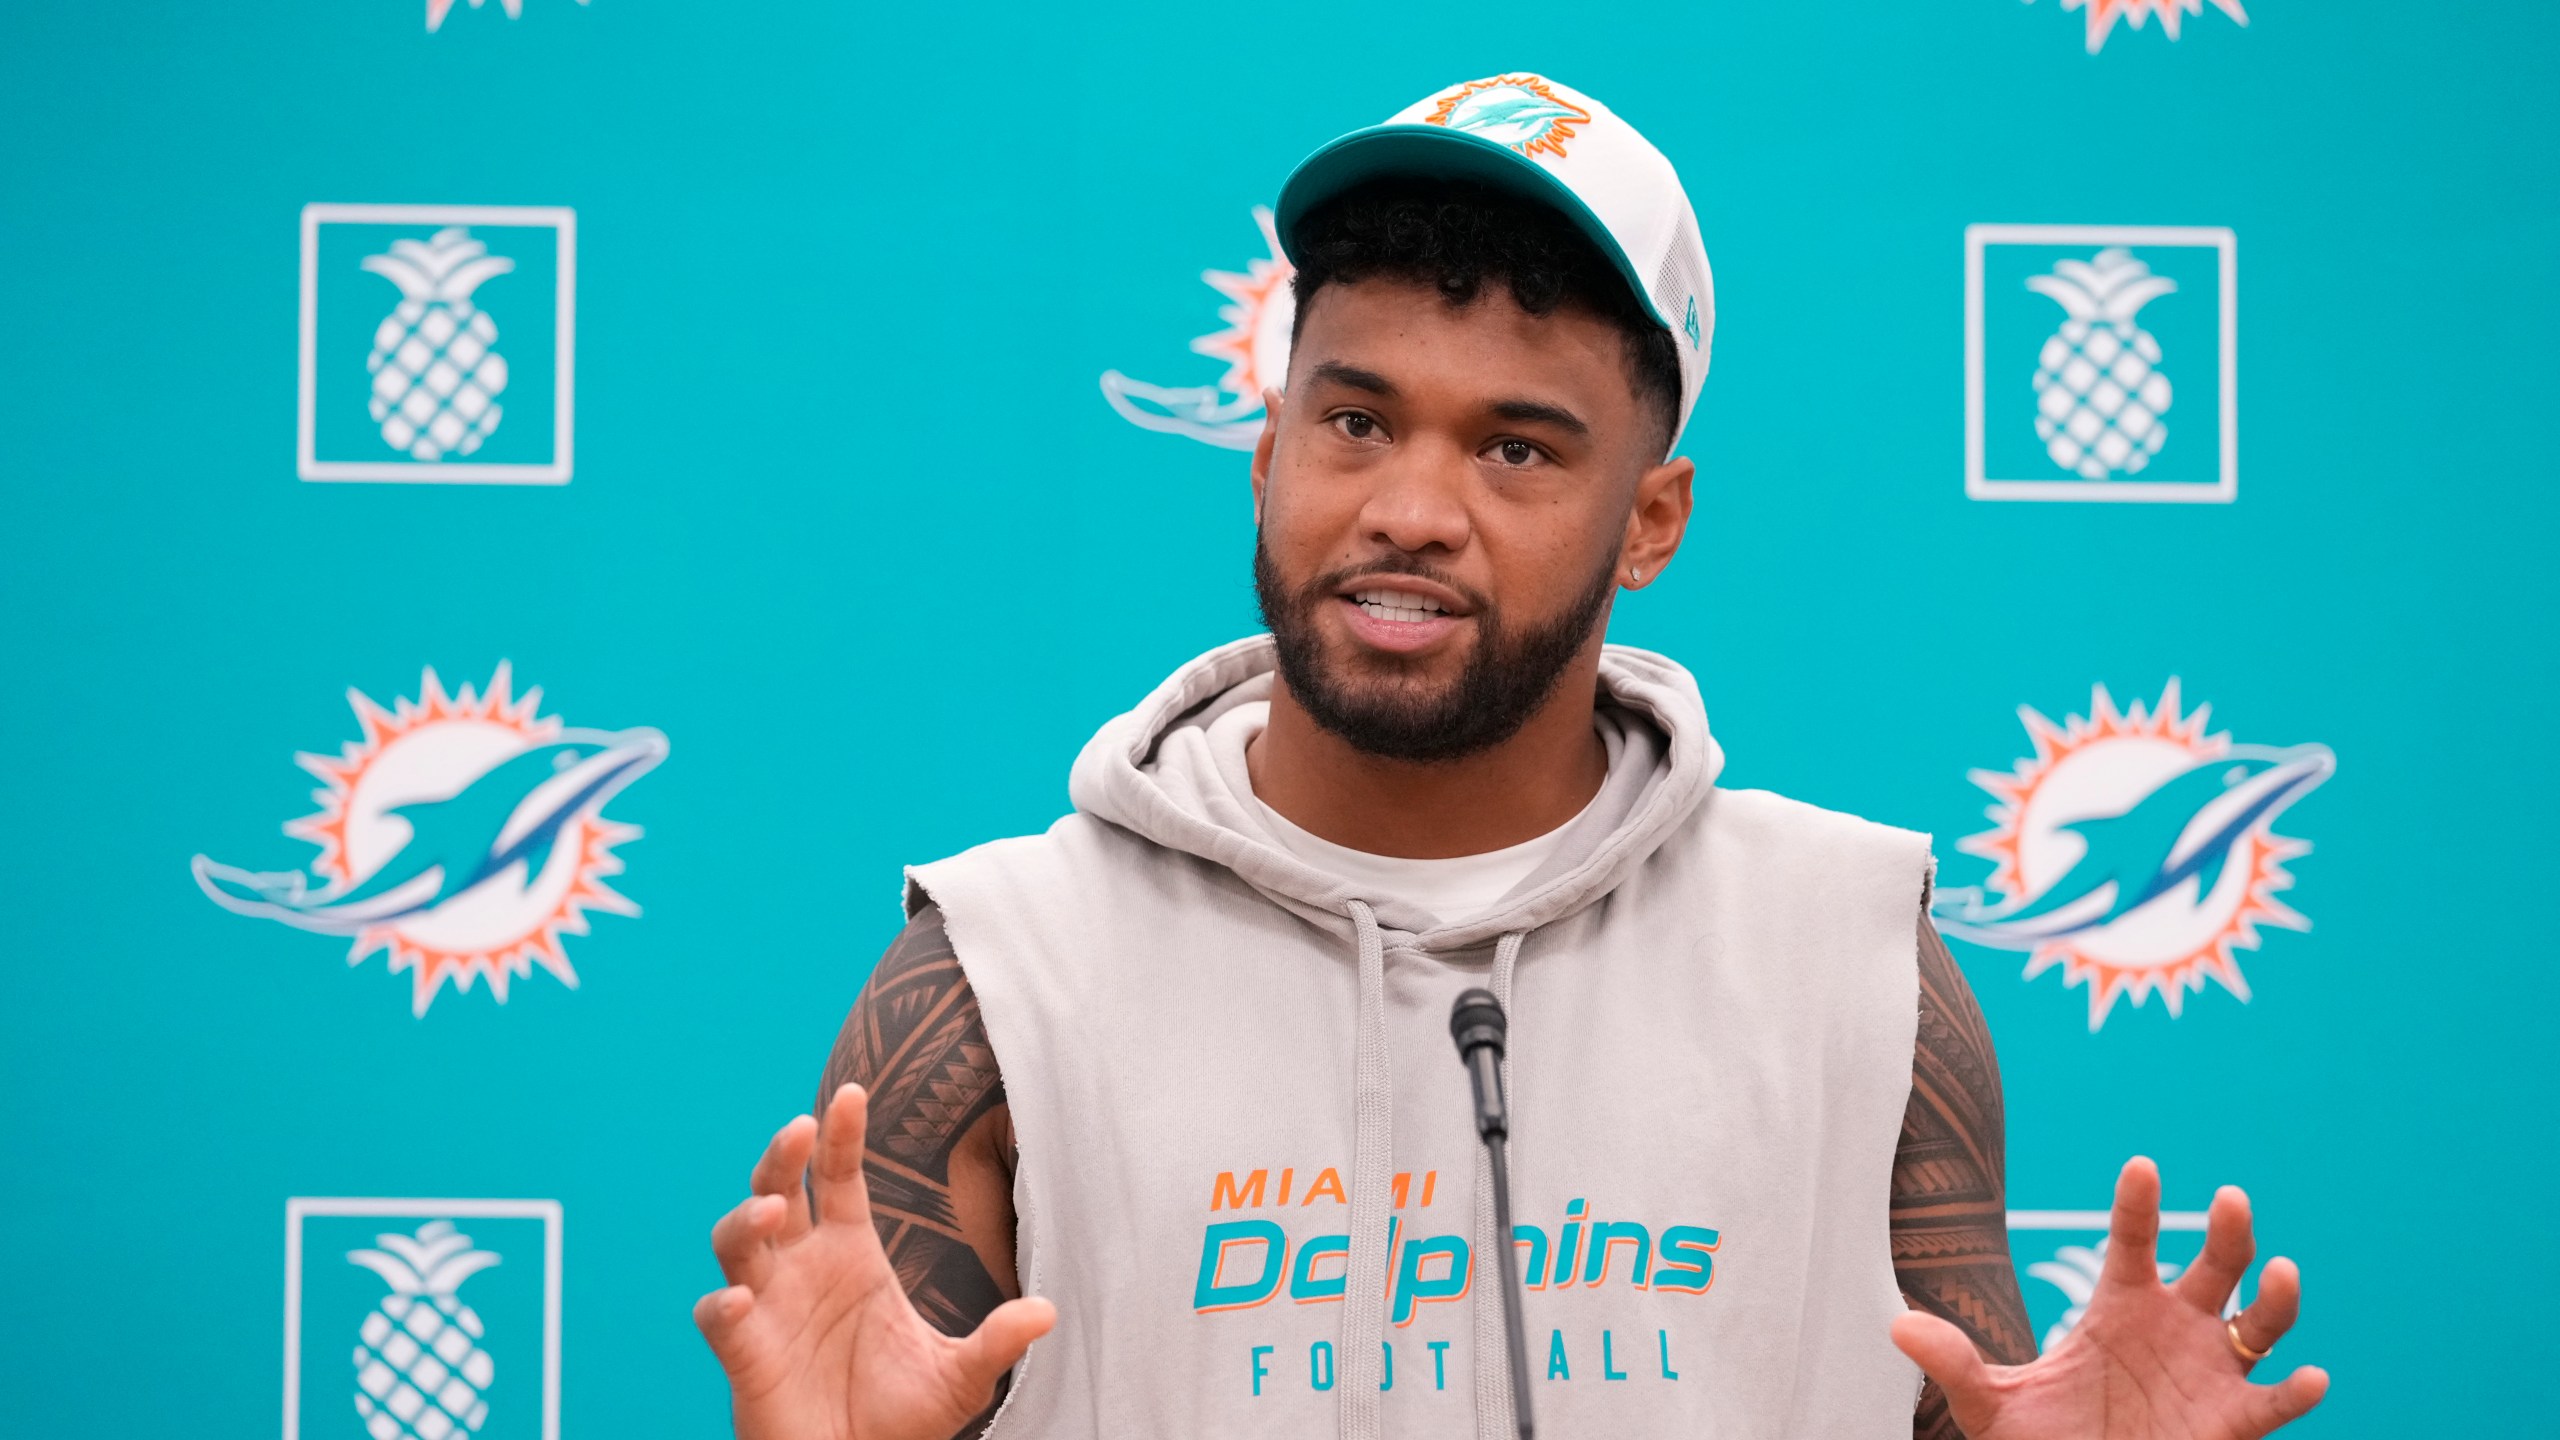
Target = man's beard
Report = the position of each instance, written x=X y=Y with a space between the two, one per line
x=1507 y=676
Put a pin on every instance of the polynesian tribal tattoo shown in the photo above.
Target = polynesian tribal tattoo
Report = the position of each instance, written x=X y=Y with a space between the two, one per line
x=1950 y=1218
x=916 y=1042
x=917 y=1045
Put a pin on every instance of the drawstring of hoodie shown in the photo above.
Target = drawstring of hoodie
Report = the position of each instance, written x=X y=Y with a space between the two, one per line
x=1493 y=1347
x=1364 y=1327
x=1364 y=1320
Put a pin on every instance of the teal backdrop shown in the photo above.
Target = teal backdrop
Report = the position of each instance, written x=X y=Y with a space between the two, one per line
x=856 y=548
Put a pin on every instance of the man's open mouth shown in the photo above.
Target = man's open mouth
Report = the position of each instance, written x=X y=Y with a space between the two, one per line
x=1397 y=605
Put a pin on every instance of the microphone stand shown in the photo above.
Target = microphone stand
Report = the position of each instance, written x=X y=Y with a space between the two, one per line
x=1479 y=1026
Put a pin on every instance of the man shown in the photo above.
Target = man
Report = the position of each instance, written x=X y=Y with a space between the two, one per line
x=1189 y=1049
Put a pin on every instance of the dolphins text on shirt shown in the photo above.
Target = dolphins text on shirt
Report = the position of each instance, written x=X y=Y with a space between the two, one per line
x=1246 y=1263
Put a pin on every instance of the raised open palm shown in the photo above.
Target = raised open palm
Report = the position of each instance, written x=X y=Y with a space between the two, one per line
x=2147 y=1361
x=817 y=1335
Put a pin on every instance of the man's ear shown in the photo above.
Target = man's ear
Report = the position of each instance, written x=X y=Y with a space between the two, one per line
x=1271 y=402
x=1657 y=523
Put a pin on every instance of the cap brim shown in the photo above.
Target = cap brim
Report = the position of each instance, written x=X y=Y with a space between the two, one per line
x=1439 y=153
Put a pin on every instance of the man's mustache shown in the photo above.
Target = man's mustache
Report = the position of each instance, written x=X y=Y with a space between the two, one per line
x=1392 y=562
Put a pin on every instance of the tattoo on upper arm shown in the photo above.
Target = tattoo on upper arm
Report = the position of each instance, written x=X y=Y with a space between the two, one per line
x=1950 y=1219
x=917 y=1044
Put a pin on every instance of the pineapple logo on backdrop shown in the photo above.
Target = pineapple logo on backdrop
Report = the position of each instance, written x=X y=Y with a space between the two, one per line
x=419 y=1366
x=418 y=1328
x=2136 y=851
x=2102 y=405
x=463 y=835
x=437 y=373
x=1254 y=344
x=2080 y=341
x=437 y=343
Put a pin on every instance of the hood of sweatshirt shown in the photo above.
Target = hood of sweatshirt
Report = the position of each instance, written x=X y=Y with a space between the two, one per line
x=1169 y=772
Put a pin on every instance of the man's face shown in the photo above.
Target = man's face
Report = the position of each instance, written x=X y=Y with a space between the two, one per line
x=1447 y=500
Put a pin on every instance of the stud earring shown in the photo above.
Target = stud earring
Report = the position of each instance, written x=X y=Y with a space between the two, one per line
x=1635 y=574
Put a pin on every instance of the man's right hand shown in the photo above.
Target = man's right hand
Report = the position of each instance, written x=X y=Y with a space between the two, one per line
x=816 y=1333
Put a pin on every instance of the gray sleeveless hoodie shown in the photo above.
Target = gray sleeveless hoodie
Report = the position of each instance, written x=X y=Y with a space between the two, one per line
x=1248 y=1176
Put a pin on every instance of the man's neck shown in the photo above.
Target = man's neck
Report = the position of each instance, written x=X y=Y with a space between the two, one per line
x=1514 y=792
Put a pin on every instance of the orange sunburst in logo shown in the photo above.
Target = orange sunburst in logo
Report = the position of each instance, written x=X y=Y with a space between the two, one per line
x=1258 y=313
x=462 y=834
x=2134 y=849
x=1521 y=111
x=438 y=9
x=2103 y=15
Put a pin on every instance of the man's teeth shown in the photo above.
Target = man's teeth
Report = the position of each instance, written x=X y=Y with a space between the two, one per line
x=1396 y=605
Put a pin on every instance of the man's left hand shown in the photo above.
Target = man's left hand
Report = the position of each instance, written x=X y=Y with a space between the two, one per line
x=2147 y=1361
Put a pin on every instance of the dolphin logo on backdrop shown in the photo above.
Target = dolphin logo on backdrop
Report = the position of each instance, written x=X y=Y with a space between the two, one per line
x=2103 y=15
x=438 y=9
x=2136 y=851
x=1255 y=344
x=462 y=834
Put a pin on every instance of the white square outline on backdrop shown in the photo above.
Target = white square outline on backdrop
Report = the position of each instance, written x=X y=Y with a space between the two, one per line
x=564 y=226
x=298 y=1207
x=2226 y=244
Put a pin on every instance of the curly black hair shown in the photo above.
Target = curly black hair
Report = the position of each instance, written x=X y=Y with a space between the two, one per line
x=1457 y=236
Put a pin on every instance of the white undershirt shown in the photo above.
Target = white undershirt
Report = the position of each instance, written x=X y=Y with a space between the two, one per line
x=1453 y=890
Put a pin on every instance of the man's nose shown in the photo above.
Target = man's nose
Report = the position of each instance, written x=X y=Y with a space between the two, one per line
x=1420 y=500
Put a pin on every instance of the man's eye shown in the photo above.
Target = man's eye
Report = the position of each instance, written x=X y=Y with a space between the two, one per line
x=1359 y=426
x=1516 y=452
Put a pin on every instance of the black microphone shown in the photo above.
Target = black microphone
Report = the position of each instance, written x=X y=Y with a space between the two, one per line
x=1478 y=1025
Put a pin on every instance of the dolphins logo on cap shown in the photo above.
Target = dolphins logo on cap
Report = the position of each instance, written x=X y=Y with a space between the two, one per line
x=1521 y=111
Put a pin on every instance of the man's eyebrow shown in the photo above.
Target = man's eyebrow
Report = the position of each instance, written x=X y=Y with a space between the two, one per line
x=1538 y=411
x=1353 y=376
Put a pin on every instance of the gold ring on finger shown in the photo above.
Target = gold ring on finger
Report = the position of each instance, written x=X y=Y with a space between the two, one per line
x=2240 y=1347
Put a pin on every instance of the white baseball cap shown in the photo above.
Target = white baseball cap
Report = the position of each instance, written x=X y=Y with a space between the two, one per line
x=1532 y=136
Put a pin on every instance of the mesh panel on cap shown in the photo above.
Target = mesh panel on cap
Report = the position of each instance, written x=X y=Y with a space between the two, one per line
x=1677 y=279
x=1678 y=282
